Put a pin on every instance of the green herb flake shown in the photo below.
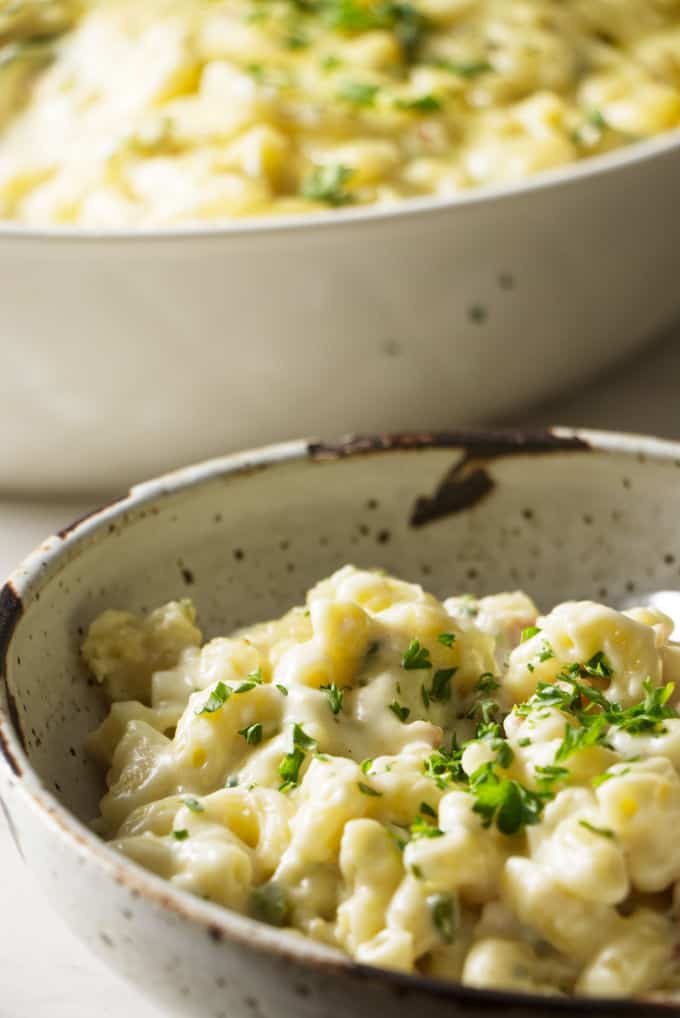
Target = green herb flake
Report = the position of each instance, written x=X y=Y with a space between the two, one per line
x=599 y=666
x=194 y=805
x=417 y=872
x=423 y=104
x=546 y=652
x=464 y=68
x=425 y=696
x=525 y=741
x=604 y=832
x=486 y=683
x=366 y=765
x=216 y=700
x=548 y=776
x=593 y=733
x=301 y=740
x=422 y=828
x=528 y=633
x=358 y=93
x=282 y=689
x=330 y=63
x=448 y=639
x=400 y=712
x=367 y=790
x=327 y=184
x=335 y=697
x=440 y=691
x=231 y=782
x=427 y=811
x=504 y=800
x=443 y=911
x=180 y=835
x=270 y=904
x=416 y=657
x=252 y=734
x=289 y=769
x=445 y=766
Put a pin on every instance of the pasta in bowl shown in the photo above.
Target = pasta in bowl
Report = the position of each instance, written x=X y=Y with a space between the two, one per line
x=460 y=788
x=121 y=115
x=327 y=887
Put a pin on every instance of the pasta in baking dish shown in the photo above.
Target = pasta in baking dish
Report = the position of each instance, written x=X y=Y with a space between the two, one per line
x=116 y=113
x=462 y=788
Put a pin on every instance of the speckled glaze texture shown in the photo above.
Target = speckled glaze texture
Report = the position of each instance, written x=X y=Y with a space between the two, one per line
x=560 y=514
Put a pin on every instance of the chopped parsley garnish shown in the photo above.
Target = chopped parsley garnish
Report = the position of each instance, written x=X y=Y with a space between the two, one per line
x=269 y=903
x=486 y=683
x=252 y=734
x=443 y=911
x=249 y=684
x=464 y=68
x=528 y=633
x=231 y=782
x=335 y=697
x=417 y=872
x=648 y=715
x=486 y=709
x=180 y=835
x=416 y=657
x=301 y=740
x=330 y=62
x=592 y=733
x=282 y=689
x=445 y=766
x=604 y=832
x=504 y=800
x=359 y=93
x=367 y=790
x=397 y=16
x=546 y=652
x=427 y=810
x=194 y=805
x=525 y=741
x=327 y=184
x=423 y=104
x=422 y=828
x=599 y=666
x=296 y=40
x=366 y=765
x=548 y=776
x=216 y=700
x=448 y=639
x=440 y=691
x=401 y=712
x=289 y=769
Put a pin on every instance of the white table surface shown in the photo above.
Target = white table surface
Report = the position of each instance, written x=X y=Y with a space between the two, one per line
x=44 y=971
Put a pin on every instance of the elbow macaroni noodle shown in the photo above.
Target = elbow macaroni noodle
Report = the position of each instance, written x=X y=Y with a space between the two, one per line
x=115 y=113
x=461 y=788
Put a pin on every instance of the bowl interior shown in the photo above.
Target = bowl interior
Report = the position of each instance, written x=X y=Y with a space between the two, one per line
x=246 y=544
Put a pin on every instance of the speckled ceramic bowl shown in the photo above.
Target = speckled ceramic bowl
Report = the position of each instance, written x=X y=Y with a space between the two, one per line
x=561 y=514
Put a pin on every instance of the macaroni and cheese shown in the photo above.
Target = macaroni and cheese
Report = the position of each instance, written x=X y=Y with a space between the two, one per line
x=464 y=788
x=117 y=113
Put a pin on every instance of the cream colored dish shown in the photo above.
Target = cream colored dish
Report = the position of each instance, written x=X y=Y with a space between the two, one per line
x=462 y=788
x=563 y=515
x=120 y=115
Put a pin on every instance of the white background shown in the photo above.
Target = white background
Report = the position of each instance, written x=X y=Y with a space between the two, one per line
x=44 y=971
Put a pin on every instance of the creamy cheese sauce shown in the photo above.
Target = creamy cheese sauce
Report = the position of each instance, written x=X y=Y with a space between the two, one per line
x=461 y=788
x=116 y=113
